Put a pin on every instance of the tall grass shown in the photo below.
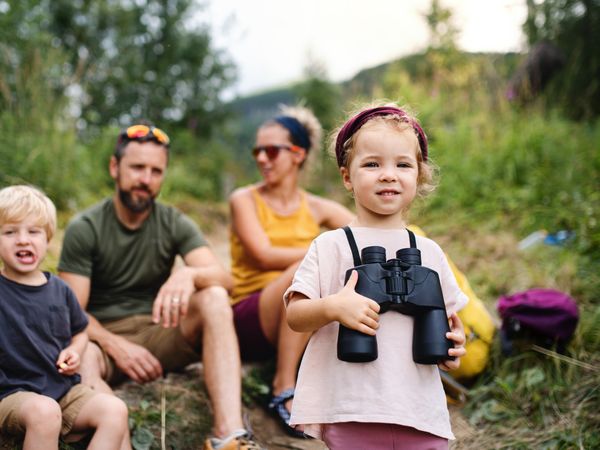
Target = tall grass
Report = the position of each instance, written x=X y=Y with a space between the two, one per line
x=39 y=143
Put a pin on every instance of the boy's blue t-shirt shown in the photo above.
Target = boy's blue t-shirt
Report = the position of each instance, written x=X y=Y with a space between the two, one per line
x=36 y=324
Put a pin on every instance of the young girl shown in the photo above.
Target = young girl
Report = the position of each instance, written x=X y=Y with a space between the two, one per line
x=391 y=402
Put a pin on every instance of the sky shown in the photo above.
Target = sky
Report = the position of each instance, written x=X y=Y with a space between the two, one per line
x=271 y=41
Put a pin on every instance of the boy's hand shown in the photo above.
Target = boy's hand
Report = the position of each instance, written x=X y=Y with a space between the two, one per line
x=68 y=361
x=457 y=335
x=353 y=310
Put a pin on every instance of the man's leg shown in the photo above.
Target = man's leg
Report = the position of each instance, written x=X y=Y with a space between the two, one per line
x=210 y=320
x=93 y=369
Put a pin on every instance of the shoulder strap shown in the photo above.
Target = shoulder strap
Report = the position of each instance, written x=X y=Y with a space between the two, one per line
x=412 y=239
x=353 y=246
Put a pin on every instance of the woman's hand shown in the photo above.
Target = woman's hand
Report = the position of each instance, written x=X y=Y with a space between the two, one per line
x=457 y=335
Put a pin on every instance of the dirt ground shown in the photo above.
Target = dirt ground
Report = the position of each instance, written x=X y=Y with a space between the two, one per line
x=188 y=424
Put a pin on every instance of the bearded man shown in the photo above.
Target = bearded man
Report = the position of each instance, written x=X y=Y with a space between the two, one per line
x=145 y=318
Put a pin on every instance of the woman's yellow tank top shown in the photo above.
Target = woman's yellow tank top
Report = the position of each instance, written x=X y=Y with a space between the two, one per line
x=295 y=230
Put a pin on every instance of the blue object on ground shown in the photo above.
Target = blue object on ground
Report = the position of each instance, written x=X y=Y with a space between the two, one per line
x=559 y=238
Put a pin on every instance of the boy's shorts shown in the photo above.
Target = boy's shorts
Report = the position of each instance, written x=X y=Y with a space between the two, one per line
x=70 y=405
x=167 y=344
x=254 y=345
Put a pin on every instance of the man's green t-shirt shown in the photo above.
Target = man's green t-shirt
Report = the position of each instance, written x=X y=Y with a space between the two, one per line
x=126 y=267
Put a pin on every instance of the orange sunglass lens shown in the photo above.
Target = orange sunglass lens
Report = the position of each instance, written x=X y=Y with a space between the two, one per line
x=160 y=135
x=137 y=131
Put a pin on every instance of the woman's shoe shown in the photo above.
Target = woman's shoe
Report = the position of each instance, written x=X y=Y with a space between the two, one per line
x=277 y=408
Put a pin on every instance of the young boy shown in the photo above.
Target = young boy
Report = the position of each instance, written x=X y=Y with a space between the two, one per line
x=42 y=338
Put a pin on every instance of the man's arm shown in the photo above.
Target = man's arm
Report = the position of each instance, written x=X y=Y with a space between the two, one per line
x=202 y=269
x=134 y=360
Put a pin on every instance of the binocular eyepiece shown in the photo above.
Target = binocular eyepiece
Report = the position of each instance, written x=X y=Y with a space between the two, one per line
x=376 y=255
x=400 y=284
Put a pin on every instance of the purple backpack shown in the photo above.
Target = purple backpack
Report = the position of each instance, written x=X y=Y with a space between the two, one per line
x=545 y=316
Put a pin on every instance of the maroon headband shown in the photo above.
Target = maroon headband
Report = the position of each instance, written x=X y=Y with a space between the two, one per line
x=354 y=124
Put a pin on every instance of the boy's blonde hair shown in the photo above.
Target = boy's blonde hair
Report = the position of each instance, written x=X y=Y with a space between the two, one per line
x=426 y=180
x=20 y=202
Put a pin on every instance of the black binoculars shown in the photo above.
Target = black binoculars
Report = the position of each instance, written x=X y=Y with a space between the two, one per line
x=400 y=284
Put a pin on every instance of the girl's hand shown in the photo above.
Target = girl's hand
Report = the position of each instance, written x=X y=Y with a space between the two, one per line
x=457 y=335
x=353 y=310
x=68 y=361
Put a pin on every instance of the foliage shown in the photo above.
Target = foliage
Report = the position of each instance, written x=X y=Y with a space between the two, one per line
x=536 y=401
x=38 y=143
x=323 y=98
x=574 y=26
x=505 y=171
x=68 y=69
x=131 y=60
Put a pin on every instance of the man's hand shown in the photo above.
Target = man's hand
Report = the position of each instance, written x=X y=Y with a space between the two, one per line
x=68 y=361
x=134 y=360
x=172 y=301
x=457 y=335
x=353 y=310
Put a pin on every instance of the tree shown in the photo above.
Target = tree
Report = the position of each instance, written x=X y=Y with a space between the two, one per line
x=143 y=59
x=125 y=59
x=573 y=26
x=91 y=65
x=323 y=98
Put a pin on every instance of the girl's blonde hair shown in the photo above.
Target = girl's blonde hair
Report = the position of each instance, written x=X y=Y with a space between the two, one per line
x=20 y=202
x=344 y=151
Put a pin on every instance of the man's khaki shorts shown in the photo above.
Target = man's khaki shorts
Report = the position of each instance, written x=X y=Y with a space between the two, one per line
x=167 y=344
x=70 y=404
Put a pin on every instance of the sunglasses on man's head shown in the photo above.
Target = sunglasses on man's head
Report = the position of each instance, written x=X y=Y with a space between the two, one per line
x=146 y=132
x=272 y=151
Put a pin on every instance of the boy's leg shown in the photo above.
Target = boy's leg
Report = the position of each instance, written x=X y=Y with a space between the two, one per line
x=36 y=416
x=104 y=413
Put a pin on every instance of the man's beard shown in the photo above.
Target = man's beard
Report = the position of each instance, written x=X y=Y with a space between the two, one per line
x=135 y=206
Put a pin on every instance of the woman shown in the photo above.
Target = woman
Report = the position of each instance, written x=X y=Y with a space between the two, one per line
x=273 y=223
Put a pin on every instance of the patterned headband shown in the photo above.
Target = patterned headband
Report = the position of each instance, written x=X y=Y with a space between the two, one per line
x=354 y=124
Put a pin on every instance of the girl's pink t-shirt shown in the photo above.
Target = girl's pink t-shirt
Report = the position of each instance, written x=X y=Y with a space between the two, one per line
x=391 y=389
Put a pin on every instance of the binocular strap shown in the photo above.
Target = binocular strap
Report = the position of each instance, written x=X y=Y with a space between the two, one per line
x=354 y=247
